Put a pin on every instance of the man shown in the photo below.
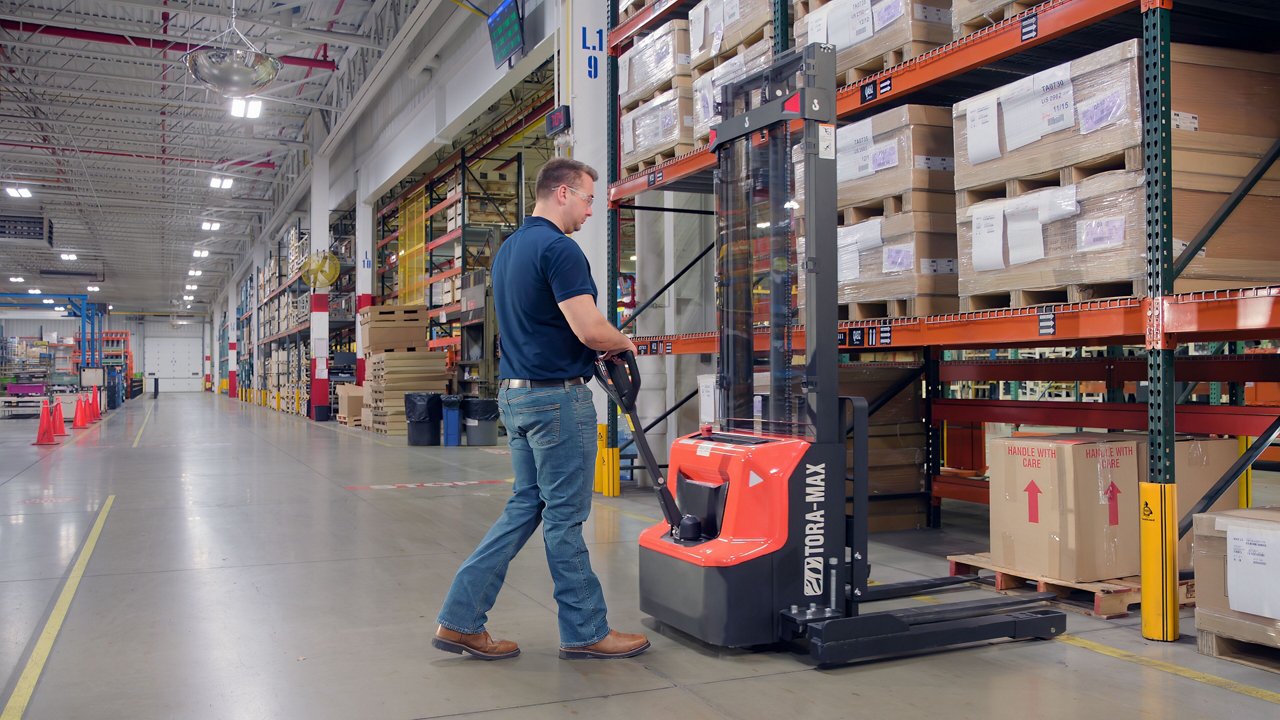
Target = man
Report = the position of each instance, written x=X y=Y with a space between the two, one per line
x=551 y=331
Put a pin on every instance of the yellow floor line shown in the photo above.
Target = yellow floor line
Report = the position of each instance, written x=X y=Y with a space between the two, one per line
x=144 y=424
x=1172 y=669
x=22 y=692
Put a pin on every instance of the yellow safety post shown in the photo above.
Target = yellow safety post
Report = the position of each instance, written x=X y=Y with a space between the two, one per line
x=1158 y=542
x=602 y=436
x=1246 y=477
x=613 y=487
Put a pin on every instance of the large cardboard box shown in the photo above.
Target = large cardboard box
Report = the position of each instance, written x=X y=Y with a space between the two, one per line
x=351 y=400
x=890 y=153
x=1237 y=564
x=661 y=125
x=654 y=62
x=1066 y=506
x=870 y=36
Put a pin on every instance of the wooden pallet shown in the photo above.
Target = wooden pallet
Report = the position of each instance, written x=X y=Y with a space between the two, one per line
x=1256 y=655
x=657 y=159
x=353 y=421
x=1127 y=159
x=678 y=82
x=1104 y=599
x=629 y=8
x=970 y=16
x=1079 y=292
x=917 y=306
x=907 y=202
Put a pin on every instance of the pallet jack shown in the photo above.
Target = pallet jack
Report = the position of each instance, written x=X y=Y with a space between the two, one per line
x=758 y=545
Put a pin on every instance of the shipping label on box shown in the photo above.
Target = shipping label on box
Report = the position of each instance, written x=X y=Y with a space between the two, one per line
x=1253 y=569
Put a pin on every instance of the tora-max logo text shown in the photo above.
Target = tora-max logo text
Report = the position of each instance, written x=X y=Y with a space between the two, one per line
x=815 y=494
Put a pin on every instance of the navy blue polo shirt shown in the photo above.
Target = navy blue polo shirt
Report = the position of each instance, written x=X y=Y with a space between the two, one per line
x=536 y=268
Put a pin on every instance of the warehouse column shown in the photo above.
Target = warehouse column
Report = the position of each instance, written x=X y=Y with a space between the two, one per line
x=230 y=320
x=1158 y=518
x=364 y=270
x=584 y=68
x=319 y=300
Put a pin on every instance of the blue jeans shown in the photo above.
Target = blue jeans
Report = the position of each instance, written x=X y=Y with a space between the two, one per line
x=552 y=435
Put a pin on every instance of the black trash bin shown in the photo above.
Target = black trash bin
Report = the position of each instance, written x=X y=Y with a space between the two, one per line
x=422 y=418
x=480 y=420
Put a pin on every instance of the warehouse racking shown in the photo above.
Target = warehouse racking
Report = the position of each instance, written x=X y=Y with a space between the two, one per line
x=1158 y=323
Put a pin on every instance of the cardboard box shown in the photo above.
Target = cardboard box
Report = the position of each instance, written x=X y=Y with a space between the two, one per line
x=901 y=256
x=873 y=36
x=351 y=399
x=660 y=125
x=653 y=62
x=1066 y=506
x=718 y=26
x=1198 y=463
x=1237 y=564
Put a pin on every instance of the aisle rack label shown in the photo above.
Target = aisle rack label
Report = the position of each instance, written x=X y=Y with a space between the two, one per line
x=1030 y=27
x=1048 y=323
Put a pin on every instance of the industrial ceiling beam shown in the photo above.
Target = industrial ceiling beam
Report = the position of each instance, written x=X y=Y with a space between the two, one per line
x=78 y=31
x=261 y=165
x=150 y=131
x=323 y=36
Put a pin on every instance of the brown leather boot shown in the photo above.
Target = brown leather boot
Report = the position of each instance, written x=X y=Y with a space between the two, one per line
x=479 y=644
x=614 y=645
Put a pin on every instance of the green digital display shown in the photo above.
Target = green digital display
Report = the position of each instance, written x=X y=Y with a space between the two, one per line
x=506 y=32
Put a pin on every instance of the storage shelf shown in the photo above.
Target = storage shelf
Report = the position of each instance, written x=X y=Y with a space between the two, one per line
x=645 y=20
x=291 y=331
x=1250 y=314
x=284 y=286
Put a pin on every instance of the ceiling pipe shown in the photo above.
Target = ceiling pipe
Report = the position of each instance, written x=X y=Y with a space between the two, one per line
x=41 y=28
x=261 y=165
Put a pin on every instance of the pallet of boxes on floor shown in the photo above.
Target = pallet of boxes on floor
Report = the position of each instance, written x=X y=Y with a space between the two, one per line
x=398 y=361
x=1065 y=513
x=1237 y=564
x=1050 y=182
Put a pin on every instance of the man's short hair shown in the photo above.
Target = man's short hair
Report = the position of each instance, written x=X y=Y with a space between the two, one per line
x=561 y=171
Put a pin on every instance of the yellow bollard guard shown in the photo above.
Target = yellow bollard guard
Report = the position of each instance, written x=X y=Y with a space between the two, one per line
x=1158 y=543
x=1246 y=477
x=602 y=436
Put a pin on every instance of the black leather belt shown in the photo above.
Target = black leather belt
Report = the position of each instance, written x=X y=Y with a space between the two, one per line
x=517 y=384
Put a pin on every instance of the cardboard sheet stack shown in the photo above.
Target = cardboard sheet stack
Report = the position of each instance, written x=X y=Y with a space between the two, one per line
x=393 y=374
x=1049 y=176
x=968 y=16
x=394 y=327
x=896 y=243
x=718 y=28
x=897 y=441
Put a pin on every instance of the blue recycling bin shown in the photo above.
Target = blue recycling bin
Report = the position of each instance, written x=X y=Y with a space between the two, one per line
x=451 y=405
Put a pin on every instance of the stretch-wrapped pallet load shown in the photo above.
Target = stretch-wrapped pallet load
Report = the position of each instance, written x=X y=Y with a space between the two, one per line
x=707 y=84
x=658 y=62
x=661 y=127
x=897 y=438
x=897 y=244
x=719 y=27
x=870 y=36
x=1049 y=177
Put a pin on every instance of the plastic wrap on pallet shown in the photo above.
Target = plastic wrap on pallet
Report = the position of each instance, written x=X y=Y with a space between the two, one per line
x=1088 y=233
x=657 y=126
x=907 y=256
x=706 y=87
x=1070 y=114
x=715 y=25
x=652 y=62
x=864 y=31
x=899 y=150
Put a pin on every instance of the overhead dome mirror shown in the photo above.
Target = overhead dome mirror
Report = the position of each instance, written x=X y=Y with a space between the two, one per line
x=232 y=72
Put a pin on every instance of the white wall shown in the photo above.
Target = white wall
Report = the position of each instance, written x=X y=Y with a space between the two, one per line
x=25 y=326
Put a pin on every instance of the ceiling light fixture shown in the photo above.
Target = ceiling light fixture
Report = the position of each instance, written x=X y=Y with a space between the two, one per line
x=93 y=288
x=111 y=307
x=195 y=273
x=34 y=291
x=60 y=308
x=47 y=301
x=192 y=287
x=218 y=183
x=243 y=108
x=210 y=225
x=188 y=297
x=18 y=192
x=17 y=279
x=188 y=306
x=231 y=71
x=200 y=253
x=69 y=256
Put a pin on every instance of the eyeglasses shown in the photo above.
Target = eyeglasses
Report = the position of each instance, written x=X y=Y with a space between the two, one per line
x=589 y=198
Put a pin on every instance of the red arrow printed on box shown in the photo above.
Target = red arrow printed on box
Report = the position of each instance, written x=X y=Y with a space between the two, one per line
x=1113 y=505
x=1033 y=502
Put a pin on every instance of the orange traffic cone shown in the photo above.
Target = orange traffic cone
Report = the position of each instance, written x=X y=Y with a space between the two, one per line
x=44 y=436
x=95 y=413
x=59 y=423
x=80 y=422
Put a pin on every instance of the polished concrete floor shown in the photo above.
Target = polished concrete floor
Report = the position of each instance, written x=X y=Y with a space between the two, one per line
x=254 y=565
